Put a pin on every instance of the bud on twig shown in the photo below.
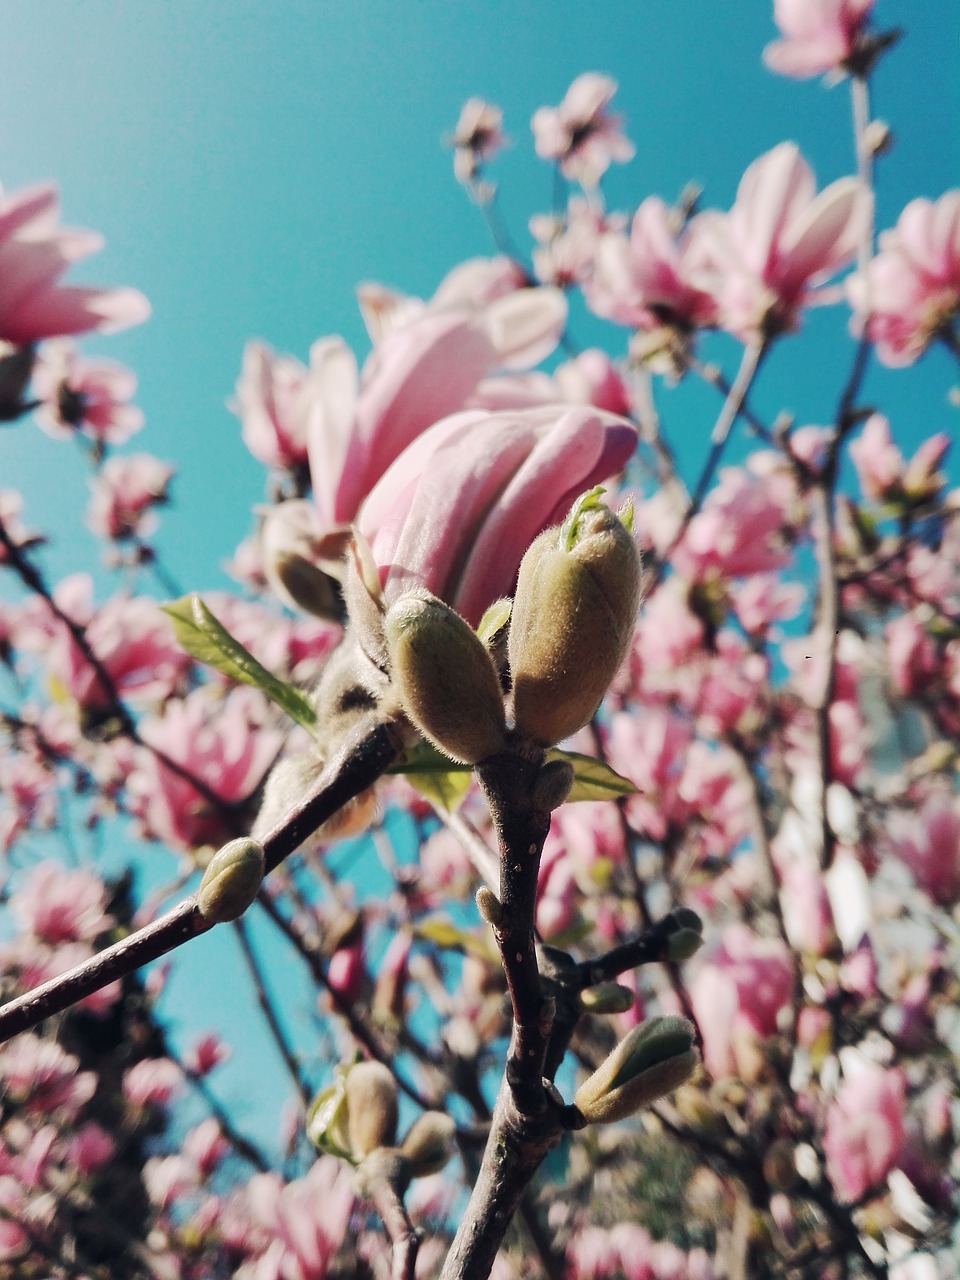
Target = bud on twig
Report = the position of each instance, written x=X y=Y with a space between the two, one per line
x=231 y=881
x=444 y=678
x=573 y=615
x=654 y=1059
x=371 y=1098
x=429 y=1143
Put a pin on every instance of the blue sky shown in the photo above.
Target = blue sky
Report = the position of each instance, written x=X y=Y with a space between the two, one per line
x=250 y=162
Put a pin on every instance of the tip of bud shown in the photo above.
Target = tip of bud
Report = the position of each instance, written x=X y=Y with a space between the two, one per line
x=653 y=1060
x=429 y=1144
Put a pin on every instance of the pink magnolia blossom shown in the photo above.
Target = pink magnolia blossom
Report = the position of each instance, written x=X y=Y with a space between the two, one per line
x=43 y=1077
x=29 y=789
x=593 y=378
x=911 y=291
x=304 y=1222
x=90 y=1148
x=91 y=396
x=818 y=35
x=929 y=843
x=34 y=253
x=738 y=532
x=762 y=261
x=912 y=655
x=458 y=509
x=477 y=138
x=885 y=476
x=152 y=1082
x=273 y=402
x=125 y=490
x=58 y=905
x=228 y=744
x=647 y=279
x=581 y=134
x=205 y=1146
x=206 y=1053
x=737 y=994
x=864 y=1132
x=567 y=246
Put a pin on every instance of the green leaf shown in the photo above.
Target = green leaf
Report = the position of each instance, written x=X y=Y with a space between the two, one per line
x=206 y=639
x=592 y=779
x=443 y=933
x=438 y=779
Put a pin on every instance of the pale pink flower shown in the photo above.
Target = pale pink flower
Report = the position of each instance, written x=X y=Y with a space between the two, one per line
x=90 y=1148
x=152 y=1082
x=593 y=378
x=762 y=261
x=646 y=280
x=582 y=135
x=205 y=1054
x=29 y=789
x=91 y=396
x=304 y=1221
x=650 y=750
x=911 y=292
x=273 y=401
x=864 y=1134
x=15 y=1239
x=477 y=138
x=43 y=1077
x=205 y=1146
x=819 y=35
x=739 y=531
x=458 y=509
x=764 y=599
x=929 y=843
x=34 y=253
x=125 y=490
x=912 y=656
x=737 y=994
x=227 y=743
x=59 y=905
x=567 y=246
x=167 y=1178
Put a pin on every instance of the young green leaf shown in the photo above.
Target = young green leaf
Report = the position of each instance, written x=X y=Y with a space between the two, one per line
x=592 y=779
x=207 y=639
x=435 y=776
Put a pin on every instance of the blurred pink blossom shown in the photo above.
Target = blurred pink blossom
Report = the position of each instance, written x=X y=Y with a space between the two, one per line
x=581 y=134
x=43 y=1077
x=227 y=743
x=205 y=1146
x=206 y=1053
x=819 y=35
x=90 y=1148
x=739 y=531
x=864 y=1133
x=911 y=291
x=567 y=245
x=477 y=138
x=273 y=402
x=34 y=253
x=303 y=1222
x=593 y=378
x=929 y=843
x=91 y=396
x=152 y=1082
x=458 y=509
x=58 y=905
x=762 y=261
x=737 y=993
x=125 y=490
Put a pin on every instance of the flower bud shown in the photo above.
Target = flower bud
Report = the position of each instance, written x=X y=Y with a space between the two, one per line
x=573 y=616
x=607 y=997
x=371 y=1108
x=552 y=784
x=444 y=678
x=654 y=1059
x=231 y=881
x=429 y=1143
x=686 y=939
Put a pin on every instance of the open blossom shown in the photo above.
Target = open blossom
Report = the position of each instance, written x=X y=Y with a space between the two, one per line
x=91 y=396
x=818 y=35
x=567 y=245
x=477 y=137
x=273 y=402
x=738 y=532
x=125 y=490
x=884 y=476
x=646 y=279
x=303 y=1223
x=762 y=261
x=34 y=253
x=59 y=905
x=929 y=843
x=458 y=509
x=911 y=292
x=864 y=1133
x=581 y=134
x=225 y=744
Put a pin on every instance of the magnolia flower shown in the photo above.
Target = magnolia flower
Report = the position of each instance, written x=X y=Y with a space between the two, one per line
x=84 y=395
x=819 y=35
x=761 y=261
x=124 y=492
x=581 y=134
x=911 y=291
x=458 y=509
x=34 y=253
x=477 y=138
x=273 y=403
x=864 y=1131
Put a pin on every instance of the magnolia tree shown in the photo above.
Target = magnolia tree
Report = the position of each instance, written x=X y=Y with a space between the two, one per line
x=654 y=951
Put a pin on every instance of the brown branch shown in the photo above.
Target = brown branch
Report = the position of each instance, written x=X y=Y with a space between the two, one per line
x=381 y=1180
x=361 y=760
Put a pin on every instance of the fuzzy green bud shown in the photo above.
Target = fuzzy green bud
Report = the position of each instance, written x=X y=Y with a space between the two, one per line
x=429 y=1143
x=231 y=881
x=654 y=1059
x=573 y=615
x=687 y=936
x=371 y=1098
x=553 y=784
x=444 y=678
